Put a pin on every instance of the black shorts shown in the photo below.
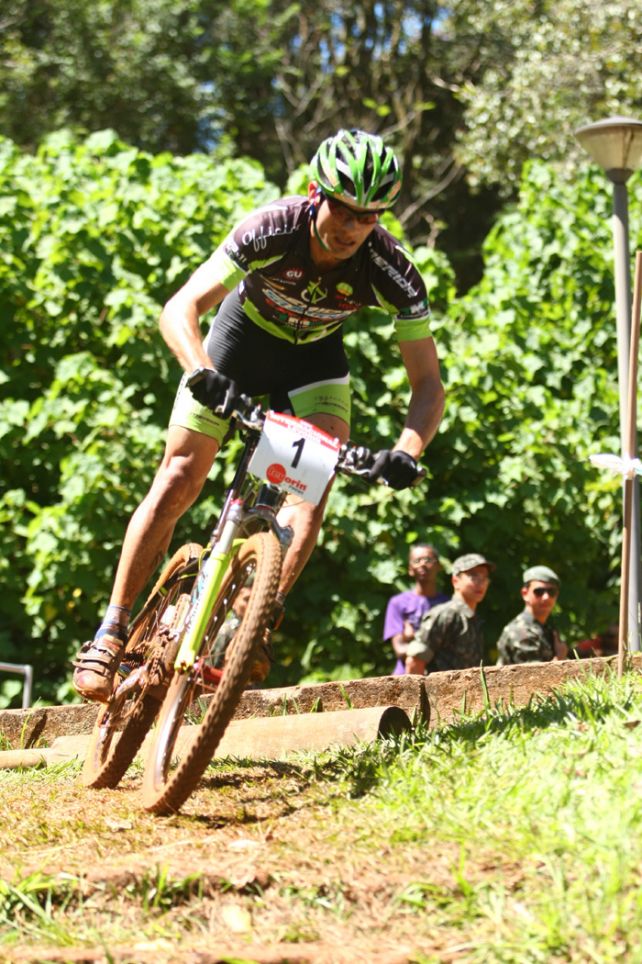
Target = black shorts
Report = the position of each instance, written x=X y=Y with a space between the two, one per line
x=308 y=379
x=262 y=364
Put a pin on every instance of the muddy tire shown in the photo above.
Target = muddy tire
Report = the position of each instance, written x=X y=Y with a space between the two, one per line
x=165 y=788
x=124 y=721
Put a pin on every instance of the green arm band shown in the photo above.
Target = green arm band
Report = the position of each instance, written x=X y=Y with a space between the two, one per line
x=410 y=329
x=407 y=327
x=226 y=272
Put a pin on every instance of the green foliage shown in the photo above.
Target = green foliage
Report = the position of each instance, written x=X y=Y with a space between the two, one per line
x=529 y=362
x=136 y=64
x=95 y=235
x=466 y=91
x=548 y=68
x=267 y=80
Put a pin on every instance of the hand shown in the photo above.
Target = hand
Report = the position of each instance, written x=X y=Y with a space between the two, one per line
x=395 y=467
x=415 y=666
x=408 y=633
x=214 y=390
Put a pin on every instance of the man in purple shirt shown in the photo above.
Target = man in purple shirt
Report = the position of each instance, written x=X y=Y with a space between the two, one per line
x=405 y=610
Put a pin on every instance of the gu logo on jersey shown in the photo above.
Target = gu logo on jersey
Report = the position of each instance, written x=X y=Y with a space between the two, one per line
x=314 y=293
x=293 y=274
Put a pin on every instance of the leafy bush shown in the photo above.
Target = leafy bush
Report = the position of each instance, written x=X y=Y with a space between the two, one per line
x=94 y=236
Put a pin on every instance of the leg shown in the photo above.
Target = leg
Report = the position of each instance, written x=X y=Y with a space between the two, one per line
x=187 y=460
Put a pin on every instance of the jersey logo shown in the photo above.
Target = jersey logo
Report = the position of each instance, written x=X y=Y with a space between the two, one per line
x=314 y=293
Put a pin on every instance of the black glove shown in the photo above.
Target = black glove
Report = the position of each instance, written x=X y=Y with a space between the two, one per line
x=396 y=468
x=218 y=392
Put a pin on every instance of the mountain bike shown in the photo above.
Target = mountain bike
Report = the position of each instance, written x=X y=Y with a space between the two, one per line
x=169 y=669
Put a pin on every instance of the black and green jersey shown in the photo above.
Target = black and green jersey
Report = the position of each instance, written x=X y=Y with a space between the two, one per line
x=268 y=256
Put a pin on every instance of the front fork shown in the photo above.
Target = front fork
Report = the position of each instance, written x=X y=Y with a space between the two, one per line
x=206 y=589
x=210 y=578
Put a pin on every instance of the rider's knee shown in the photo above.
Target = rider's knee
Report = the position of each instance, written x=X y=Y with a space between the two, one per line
x=178 y=484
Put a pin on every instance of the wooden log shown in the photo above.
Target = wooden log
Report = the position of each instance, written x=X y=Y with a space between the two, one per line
x=447 y=694
x=272 y=738
x=276 y=736
x=64 y=748
x=255 y=739
x=27 y=728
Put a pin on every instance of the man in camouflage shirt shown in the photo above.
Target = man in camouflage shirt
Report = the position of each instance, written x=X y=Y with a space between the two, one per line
x=449 y=635
x=530 y=637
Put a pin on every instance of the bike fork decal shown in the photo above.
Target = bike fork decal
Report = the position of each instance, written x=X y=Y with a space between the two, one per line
x=204 y=596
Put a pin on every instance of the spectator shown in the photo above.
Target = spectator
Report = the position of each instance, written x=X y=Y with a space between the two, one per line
x=604 y=644
x=450 y=635
x=405 y=610
x=530 y=637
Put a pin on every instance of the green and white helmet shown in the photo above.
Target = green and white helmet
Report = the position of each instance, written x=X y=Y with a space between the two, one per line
x=358 y=168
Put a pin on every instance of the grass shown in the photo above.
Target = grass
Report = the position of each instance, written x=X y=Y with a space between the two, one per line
x=508 y=836
x=544 y=808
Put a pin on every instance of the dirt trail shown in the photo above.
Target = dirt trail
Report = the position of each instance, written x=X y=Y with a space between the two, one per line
x=262 y=865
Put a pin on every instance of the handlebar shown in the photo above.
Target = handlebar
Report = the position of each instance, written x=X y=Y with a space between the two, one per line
x=353 y=460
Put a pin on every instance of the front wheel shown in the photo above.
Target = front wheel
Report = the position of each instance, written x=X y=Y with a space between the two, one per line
x=124 y=721
x=205 y=695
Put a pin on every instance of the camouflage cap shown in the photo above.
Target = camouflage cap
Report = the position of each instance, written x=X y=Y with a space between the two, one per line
x=541 y=573
x=469 y=561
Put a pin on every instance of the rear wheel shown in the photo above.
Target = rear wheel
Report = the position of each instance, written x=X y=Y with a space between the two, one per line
x=206 y=696
x=123 y=722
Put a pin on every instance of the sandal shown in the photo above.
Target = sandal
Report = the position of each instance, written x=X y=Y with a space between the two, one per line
x=95 y=666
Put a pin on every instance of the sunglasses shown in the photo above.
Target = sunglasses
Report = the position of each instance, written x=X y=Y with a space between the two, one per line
x=545 y=591
x=345 y=211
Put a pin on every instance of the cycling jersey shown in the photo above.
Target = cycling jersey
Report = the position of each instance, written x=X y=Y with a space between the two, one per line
x=282 y=290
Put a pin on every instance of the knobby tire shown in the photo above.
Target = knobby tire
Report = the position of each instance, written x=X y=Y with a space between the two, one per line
x=165 y=790
x=119 y=730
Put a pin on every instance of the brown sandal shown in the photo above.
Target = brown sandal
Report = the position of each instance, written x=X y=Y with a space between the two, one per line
x=95 y=666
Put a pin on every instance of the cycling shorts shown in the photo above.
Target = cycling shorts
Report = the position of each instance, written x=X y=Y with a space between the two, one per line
x=304 y=380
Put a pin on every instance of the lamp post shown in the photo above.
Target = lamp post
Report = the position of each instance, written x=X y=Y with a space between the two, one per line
x=616 y=145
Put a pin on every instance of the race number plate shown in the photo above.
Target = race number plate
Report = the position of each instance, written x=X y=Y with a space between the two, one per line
x=296 y=456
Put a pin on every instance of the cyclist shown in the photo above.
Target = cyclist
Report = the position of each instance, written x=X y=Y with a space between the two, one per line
x=286 y=278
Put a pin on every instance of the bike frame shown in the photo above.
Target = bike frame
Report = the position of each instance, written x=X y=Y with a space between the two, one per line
x=260 y=501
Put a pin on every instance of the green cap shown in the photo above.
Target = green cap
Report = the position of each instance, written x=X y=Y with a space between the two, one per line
x=469 y=561
x=542 y=573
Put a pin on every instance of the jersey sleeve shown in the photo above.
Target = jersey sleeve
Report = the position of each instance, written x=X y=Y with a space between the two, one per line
x=400 y=289
x=258 y=240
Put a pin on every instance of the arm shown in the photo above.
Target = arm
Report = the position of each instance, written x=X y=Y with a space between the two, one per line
x=429 y=639
x=395 y=627
x=561 y=649
x=179 y=320
x=427 y=395
x=400 y=640
x=415 y=665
